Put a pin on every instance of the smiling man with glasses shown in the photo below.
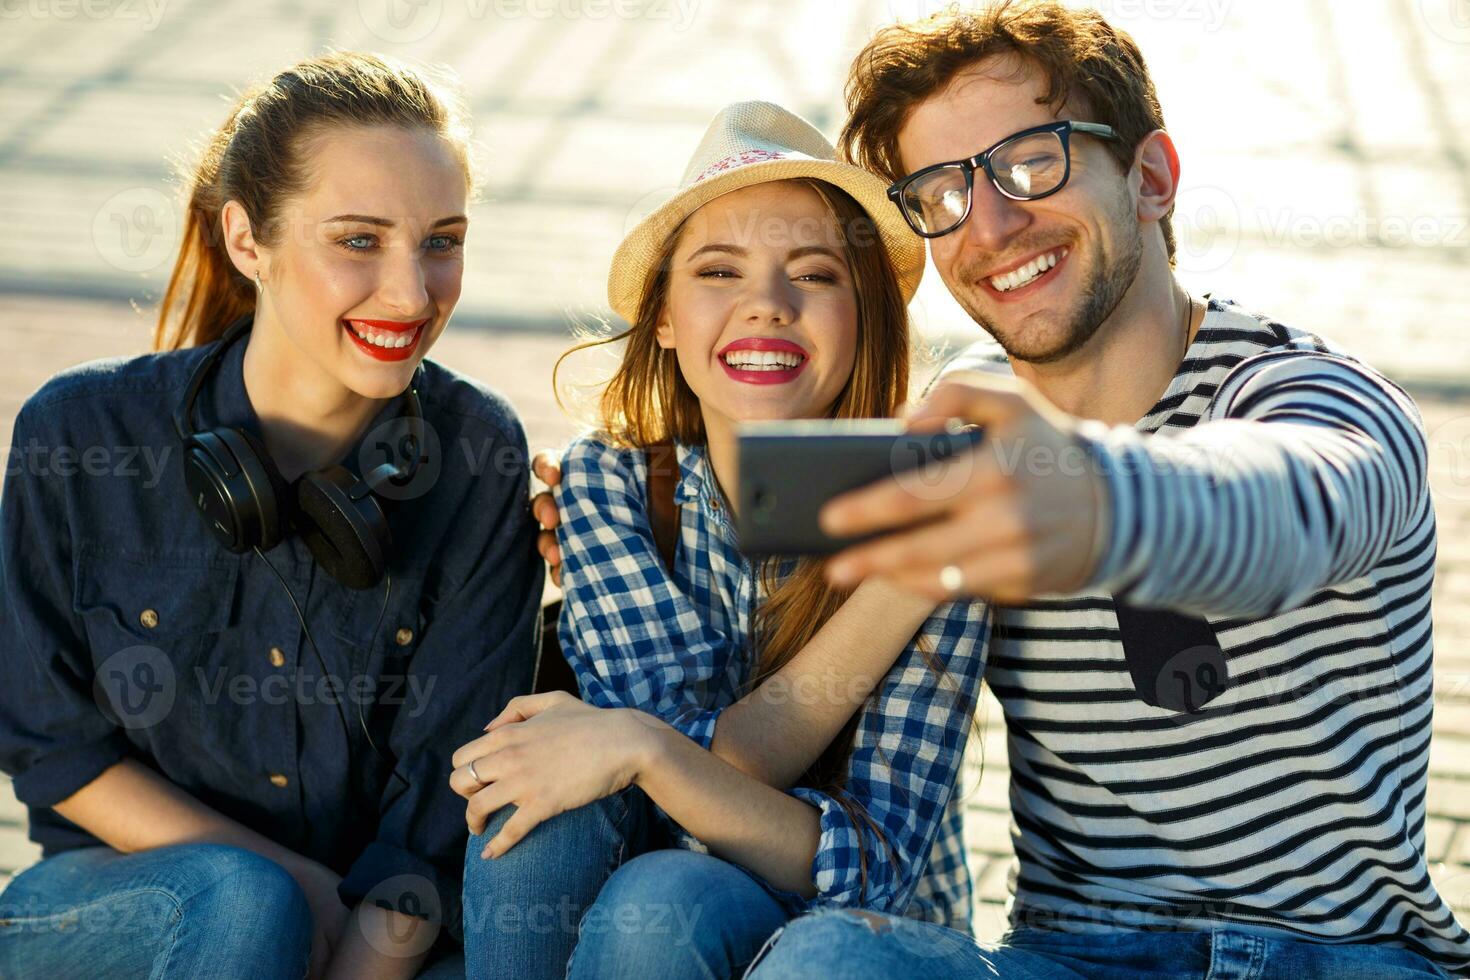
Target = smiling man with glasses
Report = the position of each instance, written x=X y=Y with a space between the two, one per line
x=1206 y=538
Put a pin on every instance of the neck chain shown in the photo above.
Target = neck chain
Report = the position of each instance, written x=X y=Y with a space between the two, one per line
x=1188 y=318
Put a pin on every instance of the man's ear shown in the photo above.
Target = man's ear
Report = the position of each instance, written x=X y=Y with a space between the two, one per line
x=1157 y=162
x=239 y=240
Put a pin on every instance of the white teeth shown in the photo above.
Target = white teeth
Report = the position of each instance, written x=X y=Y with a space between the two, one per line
x=387 y=339
x=750 y=360
x=1020 y=277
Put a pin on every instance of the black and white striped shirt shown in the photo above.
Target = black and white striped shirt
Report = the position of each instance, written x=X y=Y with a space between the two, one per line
x=1290 y=801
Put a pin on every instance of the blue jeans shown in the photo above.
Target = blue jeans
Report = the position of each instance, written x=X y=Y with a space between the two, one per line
x=194 y=910
x=191 y=910
x=862 y=945
x=521 y=910
x=675 y=914
x=604 y=881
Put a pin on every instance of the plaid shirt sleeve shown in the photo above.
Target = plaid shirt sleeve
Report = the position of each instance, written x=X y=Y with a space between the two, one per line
x=905 y=764
x=632 y=637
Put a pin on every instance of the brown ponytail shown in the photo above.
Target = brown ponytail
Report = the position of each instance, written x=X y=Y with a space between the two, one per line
x=256 y=158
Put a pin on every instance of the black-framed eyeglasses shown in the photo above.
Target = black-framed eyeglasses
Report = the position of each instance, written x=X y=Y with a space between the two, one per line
x=1025 y=166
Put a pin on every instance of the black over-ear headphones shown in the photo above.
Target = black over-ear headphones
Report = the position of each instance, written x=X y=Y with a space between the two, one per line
x=247 y=504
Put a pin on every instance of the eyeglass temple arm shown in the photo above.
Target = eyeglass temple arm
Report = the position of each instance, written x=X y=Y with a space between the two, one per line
x=1095 y=129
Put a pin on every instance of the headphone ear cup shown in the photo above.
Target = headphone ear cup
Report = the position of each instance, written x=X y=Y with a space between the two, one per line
x=344 y=526
x=273 y=493
x=236 y=487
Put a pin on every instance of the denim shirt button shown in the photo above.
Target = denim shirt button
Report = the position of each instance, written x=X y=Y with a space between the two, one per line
x=403 y=637
x=278 y=780
x=149 y=618
x=278 y=659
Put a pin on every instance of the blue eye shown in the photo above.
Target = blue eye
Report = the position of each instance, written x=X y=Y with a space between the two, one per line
x=347 y=242
x=445 y=243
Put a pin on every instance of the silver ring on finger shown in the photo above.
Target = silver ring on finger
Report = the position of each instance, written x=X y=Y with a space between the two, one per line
x=475 y=774
x=952 y=579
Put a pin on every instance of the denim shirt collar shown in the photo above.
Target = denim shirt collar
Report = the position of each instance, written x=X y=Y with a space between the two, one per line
x=225 y=402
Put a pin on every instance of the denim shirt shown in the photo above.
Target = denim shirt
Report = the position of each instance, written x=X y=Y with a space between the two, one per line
x=133 y=634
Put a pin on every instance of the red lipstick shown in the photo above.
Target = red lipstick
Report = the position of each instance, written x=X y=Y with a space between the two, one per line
x=764 y=375
x=386 y=340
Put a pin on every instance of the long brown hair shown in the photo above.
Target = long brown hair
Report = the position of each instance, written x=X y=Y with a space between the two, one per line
x=257 y=157
x=648 y=401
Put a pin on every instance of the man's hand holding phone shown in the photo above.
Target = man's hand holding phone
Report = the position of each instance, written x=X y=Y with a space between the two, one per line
x=1022 y=515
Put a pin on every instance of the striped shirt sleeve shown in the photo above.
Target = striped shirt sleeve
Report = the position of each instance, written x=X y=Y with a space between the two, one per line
x=631 y=635
x=1308 y=468
x=906 y=760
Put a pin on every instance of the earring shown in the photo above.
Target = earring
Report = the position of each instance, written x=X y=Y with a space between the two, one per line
x=257 y=279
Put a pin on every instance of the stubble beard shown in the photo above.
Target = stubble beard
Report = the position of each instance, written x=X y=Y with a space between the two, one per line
x=1106 y=283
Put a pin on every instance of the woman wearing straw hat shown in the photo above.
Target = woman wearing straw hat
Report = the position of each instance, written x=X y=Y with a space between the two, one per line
x=799 y=745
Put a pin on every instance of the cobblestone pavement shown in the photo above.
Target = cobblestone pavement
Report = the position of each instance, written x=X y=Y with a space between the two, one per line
x=1326 y=181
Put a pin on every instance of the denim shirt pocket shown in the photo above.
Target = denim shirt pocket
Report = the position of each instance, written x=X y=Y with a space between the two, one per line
x=387 y=656
x=403 y=621
x=146 y=621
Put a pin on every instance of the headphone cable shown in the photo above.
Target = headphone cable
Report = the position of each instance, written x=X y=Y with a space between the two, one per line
x=321 y=662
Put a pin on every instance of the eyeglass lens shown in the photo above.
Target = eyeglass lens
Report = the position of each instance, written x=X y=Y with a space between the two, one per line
x=1025 y=167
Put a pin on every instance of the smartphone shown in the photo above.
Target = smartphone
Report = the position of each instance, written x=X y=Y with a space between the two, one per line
x=788 y=470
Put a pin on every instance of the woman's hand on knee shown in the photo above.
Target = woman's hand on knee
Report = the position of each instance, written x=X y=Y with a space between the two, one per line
x=547 y=754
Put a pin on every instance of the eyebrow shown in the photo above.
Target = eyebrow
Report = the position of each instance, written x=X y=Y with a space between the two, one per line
x=806 y=250
x=717 y=247
x=795 y=253
x=367 y=219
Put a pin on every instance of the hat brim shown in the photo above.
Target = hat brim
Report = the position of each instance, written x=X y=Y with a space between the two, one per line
x=632 y=262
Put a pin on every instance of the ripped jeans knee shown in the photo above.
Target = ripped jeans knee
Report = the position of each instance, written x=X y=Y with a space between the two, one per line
x=859 y=943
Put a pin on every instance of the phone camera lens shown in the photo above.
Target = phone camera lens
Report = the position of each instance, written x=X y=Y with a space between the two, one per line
x=763 y=502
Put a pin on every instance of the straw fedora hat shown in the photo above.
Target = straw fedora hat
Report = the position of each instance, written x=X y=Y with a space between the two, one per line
x=752 y=143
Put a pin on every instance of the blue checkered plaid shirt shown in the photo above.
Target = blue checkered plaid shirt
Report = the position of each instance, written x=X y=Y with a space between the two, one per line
x=679 y=648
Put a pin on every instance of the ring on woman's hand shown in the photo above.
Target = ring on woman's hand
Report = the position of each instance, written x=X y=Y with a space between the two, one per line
x=475 y=774
x=951 y=579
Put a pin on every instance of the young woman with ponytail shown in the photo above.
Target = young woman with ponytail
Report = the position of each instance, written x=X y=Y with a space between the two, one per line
x=801 y=747
x=231 y=692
